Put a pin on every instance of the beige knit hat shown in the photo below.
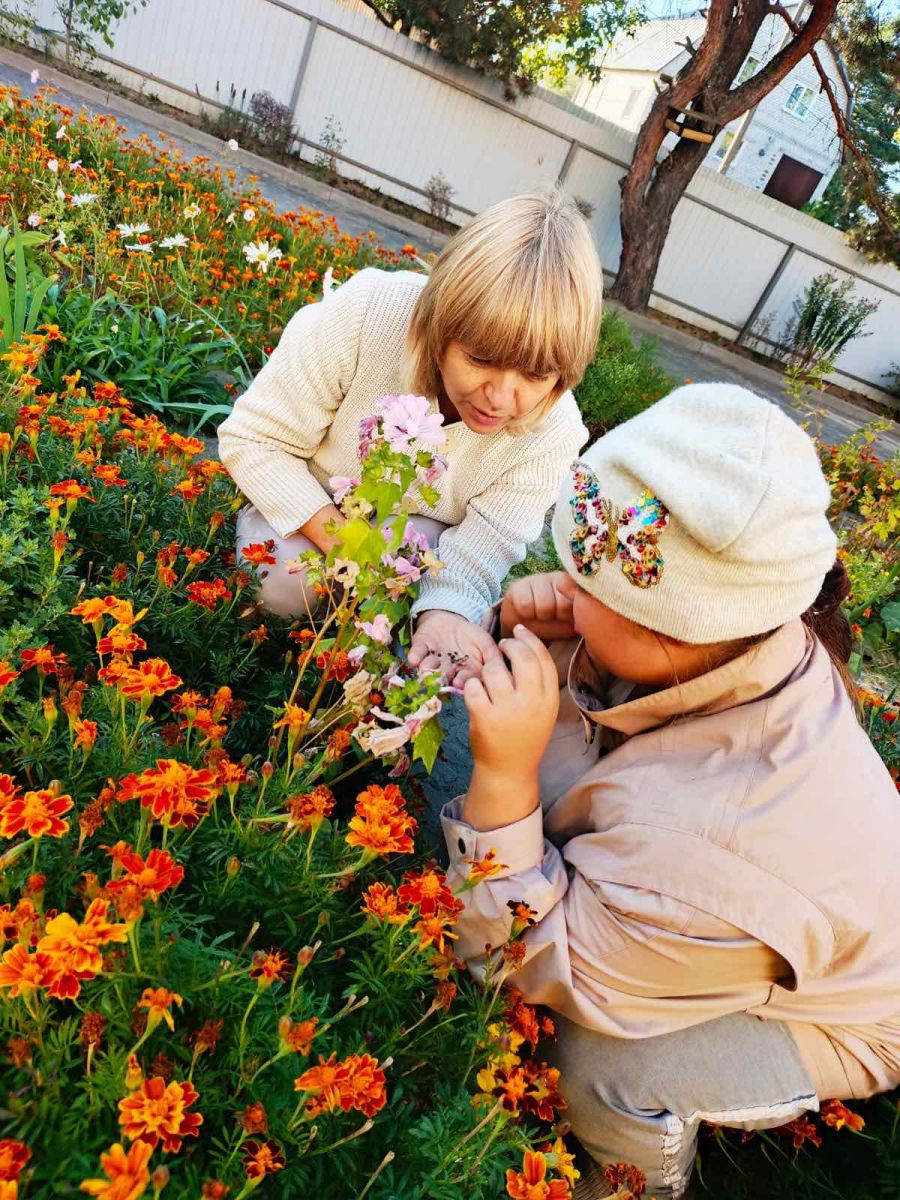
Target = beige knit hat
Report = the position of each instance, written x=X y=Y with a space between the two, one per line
x=702 y=518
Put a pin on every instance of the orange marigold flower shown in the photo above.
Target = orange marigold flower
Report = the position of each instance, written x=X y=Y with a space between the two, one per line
x=531 y=1182
x=381 y=825
x=627 y=1180
x=484 y=869
x=196 y=558
x=381 y=901
x=206 y=1038
x=213 y=1189
x=190 y=446
x=93 y=609
x=153 y=875
x=208 y=593
x=307 y=812
x=85 y=734
x=45 y=659
x=37 y=813
x=839 y=1116
x=123 y=642
x=173 y=791
x=270 y=966
x=9 y=790
x=433 y=931
x=7 y=673
x=13 y=1158
x=110 y=475
x=189 y=489
x=357 y=1082
x=527 y=1021
x=800 y=1131
x=74 y=949
x=262 y=1158
x=22 y=972
x=259 y=553
x=113 y=673
x=427 y=889
x=295 y=719
x=158 y=1002
x=127 y=1174
x=338 y=745
x=298 y=1035
x=148 y=679
x=19 y=1051
x=253 y=1119
x=157 y=1112
x=71 y=491
x=445 y=994
x=336 y=664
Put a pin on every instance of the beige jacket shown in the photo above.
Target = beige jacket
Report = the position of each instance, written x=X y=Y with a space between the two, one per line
x=729 y=845
x=297 y=426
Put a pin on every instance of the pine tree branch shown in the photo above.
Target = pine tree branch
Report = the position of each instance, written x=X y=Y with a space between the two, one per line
x=758 y=86
x=848 y=141
x=382 y=17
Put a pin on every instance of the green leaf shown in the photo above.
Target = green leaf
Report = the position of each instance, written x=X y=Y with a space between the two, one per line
x=427 y=742
x=890 y=615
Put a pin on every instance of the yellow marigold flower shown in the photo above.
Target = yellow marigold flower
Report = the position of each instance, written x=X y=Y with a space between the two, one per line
x=159 y=1002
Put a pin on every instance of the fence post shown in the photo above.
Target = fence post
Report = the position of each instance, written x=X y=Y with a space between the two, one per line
x=567 y=163
x=767 y=292
x=303 y=64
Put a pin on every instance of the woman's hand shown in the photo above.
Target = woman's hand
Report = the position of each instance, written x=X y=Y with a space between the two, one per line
x=543 y=603
x=447 y=642
x=512 y=711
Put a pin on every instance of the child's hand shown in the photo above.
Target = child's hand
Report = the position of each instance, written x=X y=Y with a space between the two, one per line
x=513 y=709
x=447 y=642
x=543 y=603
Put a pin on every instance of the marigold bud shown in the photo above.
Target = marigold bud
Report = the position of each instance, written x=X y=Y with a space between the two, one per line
x=267 y=770
x=159 y=1178
x=134 y=1076
x=234 y=865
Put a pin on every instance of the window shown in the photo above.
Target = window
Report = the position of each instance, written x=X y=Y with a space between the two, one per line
x=724 y=142
x=799 y=102
x=749 y=68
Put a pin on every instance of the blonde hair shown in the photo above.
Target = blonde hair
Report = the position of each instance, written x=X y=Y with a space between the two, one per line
x=520 y=286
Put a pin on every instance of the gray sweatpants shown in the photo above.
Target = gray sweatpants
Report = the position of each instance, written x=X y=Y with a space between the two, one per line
x=642 y=1101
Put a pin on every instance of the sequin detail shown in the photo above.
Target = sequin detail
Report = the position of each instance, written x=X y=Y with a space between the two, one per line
x=604 y=531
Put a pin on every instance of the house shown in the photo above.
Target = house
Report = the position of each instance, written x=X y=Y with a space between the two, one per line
x=790 y=149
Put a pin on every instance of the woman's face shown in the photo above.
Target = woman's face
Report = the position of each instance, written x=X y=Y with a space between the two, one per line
x=487 y=396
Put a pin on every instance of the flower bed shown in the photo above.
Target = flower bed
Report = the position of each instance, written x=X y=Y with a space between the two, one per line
x=227 y=956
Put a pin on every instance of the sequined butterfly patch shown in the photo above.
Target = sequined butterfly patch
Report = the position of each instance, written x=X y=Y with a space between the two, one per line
x=603 y=530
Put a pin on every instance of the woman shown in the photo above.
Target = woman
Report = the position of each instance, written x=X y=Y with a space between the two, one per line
x=495 y=337
x=712 y=871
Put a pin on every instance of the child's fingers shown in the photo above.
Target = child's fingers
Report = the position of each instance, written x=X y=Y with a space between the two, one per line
x=496 y=679
x=526 y=667
x=548 y=667
x=475 y=696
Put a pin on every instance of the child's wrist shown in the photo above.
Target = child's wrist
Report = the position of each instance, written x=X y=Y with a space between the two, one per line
x=499 y=795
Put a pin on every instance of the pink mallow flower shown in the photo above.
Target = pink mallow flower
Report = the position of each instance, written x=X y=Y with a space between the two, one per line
x=378 y=629
x=341 y=485
x=410 y=419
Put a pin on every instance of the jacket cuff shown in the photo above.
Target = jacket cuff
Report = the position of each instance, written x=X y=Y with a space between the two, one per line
x=443 y=595
x=519 y=846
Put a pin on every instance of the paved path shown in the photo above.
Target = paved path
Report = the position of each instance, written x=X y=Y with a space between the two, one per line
x=298 y=191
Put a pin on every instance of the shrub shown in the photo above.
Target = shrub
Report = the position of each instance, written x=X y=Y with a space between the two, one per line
x=439 y=192
x=150 y=813
x=331 y=143
x=622 y=380
x=274 y=121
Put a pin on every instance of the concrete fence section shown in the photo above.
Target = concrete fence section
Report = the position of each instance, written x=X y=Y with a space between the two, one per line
x=401 y=114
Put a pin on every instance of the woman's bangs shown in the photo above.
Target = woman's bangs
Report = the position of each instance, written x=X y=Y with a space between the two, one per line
x=514 y=329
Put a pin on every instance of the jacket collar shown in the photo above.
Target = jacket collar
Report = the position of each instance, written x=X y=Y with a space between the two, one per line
x=750 y=676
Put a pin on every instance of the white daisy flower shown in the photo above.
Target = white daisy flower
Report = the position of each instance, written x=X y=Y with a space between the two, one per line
x=231 y=218
x=177 y=242
x=53 y=165
x=35 y=75
x=80 y=199
x=145 y=247
x=192 y=211
x=60 y=238
x=249 y=215
x=35 y=219
x=60 y=193
x=232 y=144
x=130 y=231
x=328 y=281
x=61 y=132
x=75 y=164
x=261 y=254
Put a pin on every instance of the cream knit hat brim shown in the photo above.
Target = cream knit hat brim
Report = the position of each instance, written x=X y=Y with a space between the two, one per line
x=747 y=543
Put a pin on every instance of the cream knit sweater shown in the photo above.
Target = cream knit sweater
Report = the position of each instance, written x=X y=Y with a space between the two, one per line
x=298 y=425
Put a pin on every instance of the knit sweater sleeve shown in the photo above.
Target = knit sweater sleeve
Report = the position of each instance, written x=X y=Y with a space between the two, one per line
x=498 y=527
x=279 y=422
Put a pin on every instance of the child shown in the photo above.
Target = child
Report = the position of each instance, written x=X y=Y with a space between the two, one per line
x=495 y=337
x=706 y=836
